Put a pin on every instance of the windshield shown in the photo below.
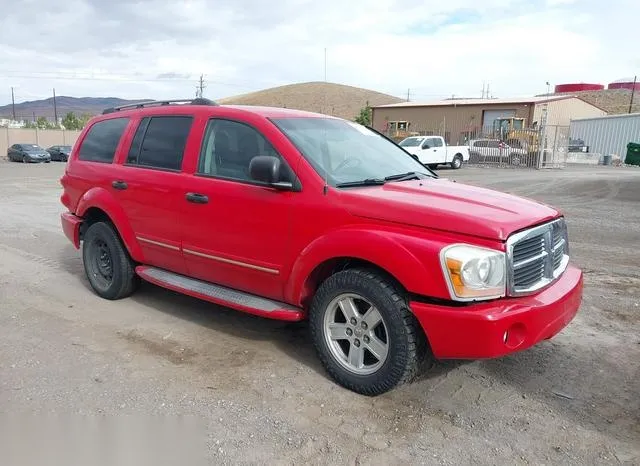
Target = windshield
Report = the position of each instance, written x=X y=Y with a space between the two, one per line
x=32 y=147
x=65 y=148
x=346 y=152
x=411 y=142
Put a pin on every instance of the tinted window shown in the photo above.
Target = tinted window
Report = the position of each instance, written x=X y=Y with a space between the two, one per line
x=493 y=144
x=163 y=142
x=100 y=143
x=228 y=148
x=436 y=142
x=136 y=144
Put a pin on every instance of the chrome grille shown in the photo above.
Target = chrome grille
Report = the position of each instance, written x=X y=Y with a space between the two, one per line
x=537 y=257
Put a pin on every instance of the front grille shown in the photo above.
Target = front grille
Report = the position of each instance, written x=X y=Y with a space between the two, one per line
x=537 y=257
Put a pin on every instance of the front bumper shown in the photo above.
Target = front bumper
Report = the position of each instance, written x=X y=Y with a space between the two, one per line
x=500 y=327
x=37 y=159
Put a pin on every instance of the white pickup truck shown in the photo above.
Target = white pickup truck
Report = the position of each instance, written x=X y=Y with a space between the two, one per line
x=433 y=151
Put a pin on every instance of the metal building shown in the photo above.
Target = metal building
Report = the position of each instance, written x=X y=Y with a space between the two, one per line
x=459 y=120
x=607 y=135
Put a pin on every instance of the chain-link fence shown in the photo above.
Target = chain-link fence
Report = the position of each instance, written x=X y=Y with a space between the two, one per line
x=506 y=142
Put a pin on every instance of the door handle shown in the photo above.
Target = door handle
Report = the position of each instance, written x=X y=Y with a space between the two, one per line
x=197 y=198
x=119 y=185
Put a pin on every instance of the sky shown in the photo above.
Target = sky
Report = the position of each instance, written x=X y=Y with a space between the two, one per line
x=429 y=49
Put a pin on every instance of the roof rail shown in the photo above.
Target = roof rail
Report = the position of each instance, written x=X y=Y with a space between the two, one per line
x=156 y=103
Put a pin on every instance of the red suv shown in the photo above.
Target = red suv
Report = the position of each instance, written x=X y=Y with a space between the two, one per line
x=293 y=215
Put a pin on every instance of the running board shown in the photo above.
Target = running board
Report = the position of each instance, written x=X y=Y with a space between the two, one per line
x=217 y=294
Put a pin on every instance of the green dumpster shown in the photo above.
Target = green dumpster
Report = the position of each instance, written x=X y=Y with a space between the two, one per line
x=633 y=154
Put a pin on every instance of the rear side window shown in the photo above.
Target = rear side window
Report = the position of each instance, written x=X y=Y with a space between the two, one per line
x=100 y=143
x=437 y=142
x=159 y=142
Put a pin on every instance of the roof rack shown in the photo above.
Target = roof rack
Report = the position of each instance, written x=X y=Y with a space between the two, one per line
x=156 y=103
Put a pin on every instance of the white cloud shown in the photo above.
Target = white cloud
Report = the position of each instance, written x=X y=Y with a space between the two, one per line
x=158 y=48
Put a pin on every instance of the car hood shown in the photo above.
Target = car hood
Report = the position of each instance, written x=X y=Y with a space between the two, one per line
x=445 y=205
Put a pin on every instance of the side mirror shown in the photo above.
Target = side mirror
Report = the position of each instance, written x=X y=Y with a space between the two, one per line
x=417 y=159
x=266 y=169
x=426 y=146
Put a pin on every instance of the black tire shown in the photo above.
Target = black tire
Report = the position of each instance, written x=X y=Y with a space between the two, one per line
x=456 y=163
x=24 y=159
x=474 y=157
x=407 y=345
x=433 y=166
x=515 y=159
x=107 y=264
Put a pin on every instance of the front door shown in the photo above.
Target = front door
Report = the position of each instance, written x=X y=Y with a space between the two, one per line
x=149 y=188
x=236 y=231
x=432 y=151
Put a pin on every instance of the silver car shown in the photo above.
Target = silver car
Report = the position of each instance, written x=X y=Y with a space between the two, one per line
x=496 y=151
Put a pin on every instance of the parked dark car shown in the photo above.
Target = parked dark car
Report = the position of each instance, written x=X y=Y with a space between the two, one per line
x=27 y=153
x=59 y=153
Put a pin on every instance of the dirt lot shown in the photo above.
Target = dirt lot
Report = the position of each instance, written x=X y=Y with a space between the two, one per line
x=255 y=386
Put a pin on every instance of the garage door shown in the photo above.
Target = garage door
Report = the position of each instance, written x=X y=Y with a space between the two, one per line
x=489 y=116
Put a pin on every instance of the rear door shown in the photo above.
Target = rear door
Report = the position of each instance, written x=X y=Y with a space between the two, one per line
x=148 y=187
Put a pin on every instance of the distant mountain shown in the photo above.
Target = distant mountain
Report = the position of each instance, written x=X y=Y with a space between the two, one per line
x=64 y=104
x=330 y=98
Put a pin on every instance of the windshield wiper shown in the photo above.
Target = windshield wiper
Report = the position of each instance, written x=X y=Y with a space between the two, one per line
x=406 y=176
x=365 y=182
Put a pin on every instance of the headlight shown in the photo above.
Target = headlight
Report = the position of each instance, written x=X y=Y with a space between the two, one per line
x=473 y=272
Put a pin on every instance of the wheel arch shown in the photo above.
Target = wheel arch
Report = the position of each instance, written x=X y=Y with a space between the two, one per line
x=98 y=204
x=349 y=249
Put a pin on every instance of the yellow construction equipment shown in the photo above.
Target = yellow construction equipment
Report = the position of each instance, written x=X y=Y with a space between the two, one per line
x=514 y=132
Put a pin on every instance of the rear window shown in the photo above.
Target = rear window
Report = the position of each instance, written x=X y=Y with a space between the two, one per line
x=101 y=142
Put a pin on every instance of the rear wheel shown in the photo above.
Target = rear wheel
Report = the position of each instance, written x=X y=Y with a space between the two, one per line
x=364 y=333
x=515 y=159
x=456 y=162
x=109 y=269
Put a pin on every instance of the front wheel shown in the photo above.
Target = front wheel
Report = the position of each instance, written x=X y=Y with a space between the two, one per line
x=456 y=162
x=25 y=159
x=364 y=333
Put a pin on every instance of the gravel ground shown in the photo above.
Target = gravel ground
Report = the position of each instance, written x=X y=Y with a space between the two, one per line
x=231 y=388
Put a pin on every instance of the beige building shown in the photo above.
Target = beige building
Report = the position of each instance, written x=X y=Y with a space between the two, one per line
x=459 y=120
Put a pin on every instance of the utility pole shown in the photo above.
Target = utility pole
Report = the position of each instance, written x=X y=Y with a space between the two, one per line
x=200 y=87
x=633 y=93
x=408 y=93
x=55 y=108
x=483 y=85
x=13 y=105
x=325 y=64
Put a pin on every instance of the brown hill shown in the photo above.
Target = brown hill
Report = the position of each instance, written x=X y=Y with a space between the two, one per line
x=613 y=101
x=328 y=98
